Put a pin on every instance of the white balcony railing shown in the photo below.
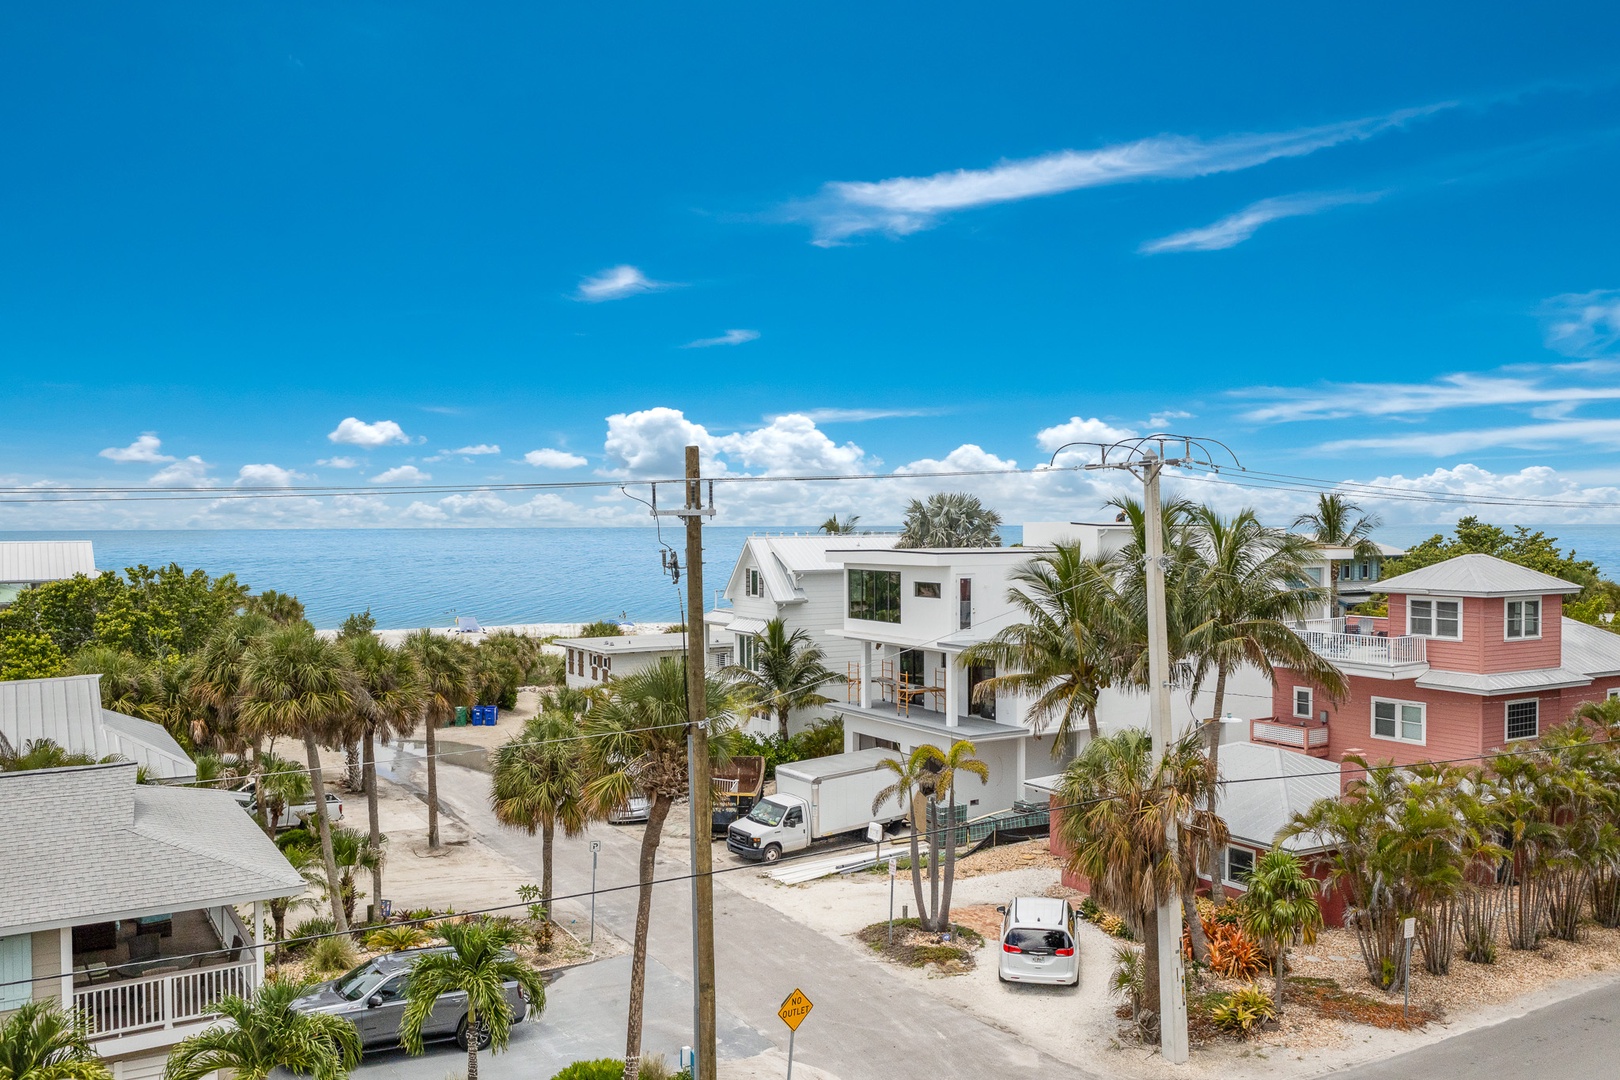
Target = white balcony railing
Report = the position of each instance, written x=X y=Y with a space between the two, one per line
x=161 y=1001
x=1364 y=649
x=1314 y=737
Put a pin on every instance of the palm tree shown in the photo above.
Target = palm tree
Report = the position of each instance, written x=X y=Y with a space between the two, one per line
x=390 y=695
x=1279 y=908
x=914 y=779
x=353 y=853
x=38 y=754
x=788 y=674
x=1069 y=645
x=265 y=1034
x=538 y=784
x=1331 y=526
x=217 y=682
x=479 y=964
x=957 y=762
x=281 y=608
x=950 y=519
x=635 y=744
x=41 y=1042
x=297 y=684
x=833 y=527
x=447 y=682
x=304 y=857
x=279 y=784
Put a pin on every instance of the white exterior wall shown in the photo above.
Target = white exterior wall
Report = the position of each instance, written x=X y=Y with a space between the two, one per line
x=623 y=664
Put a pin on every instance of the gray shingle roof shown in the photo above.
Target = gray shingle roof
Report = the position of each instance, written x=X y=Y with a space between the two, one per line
x=68 y=712
x=1591 y=650
x=87 y=844
x=1476 y=575
x=36 y=561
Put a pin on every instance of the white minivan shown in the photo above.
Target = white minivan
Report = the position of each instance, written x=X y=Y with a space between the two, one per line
x=1038 y=942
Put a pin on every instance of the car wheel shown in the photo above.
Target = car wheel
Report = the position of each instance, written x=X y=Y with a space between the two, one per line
x=773 y=852
x=466 y=1037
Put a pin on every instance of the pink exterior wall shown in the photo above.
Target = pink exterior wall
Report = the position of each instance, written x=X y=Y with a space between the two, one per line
x=1501 y=654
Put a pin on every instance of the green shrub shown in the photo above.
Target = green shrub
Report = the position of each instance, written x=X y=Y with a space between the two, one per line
x=600 y=628
x=333 y=956
x=307 y=929
x=657 y=1067
x=600 y=1069
x=1243 y=1011
x=1090 y=910
x=822 y=739
x=396 y=938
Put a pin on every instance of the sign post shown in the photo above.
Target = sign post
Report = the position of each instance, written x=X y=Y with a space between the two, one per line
x=1410 y=931
x=596 y=846
x=894 y=865
x=793 y=1012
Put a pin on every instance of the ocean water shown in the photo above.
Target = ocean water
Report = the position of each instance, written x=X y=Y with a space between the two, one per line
x=427 y=577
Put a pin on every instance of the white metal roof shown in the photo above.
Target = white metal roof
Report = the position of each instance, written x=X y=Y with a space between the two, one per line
x=36 y=561
x=1501 y=682
x=87 y=844
x=627 y=643
x=1591 y=650
x=68 y=712
x=1476 y=575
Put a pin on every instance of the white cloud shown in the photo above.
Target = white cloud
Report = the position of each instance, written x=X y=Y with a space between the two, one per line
x=475 y=451
x=1330 y=401
x=856 y=416
x=402 y=474
x=907 y=204
x=267 y=476
x=144 y=449
x=1079 y=429
x=730 y=337
x=548 y=458
x=1552 y=435
x=652 y=443
x=616 y=283
x=356 y=432
x=792 y=444
x=1159 y=421
x=187 y=472
x=1583 y=324
x=340 y=462
x=1235 y=228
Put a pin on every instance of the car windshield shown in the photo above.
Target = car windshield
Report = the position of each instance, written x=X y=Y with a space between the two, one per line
x=767 y=813
x=1038 y=941
x=358 y=983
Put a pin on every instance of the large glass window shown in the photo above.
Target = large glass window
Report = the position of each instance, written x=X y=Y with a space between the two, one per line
x=1523 y=619
x=747 y=651
x=978 y=673
x=1523 y=719
x=1434 y=618
x=1399 y=720
x=874 y=595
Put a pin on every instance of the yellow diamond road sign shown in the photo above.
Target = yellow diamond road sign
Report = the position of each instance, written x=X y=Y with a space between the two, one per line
x=795 y=1009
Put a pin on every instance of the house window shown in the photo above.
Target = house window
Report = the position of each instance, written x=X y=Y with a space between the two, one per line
x=1239 y=865
x=874 y=595
x=1523 y=619
x=986 y=709
x=1434 y=618
x=872 y=742
x=753 y=583
x=928 y=590
x=1402 y=721
x=747 y=651
x=964 y=590
x=1523 y=719
x=16 y=971
x=570 y=661
x=1303 y=702
x=1614 y=695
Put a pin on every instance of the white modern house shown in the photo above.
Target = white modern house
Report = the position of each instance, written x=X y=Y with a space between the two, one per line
x=67 y=711
x=26 y=563
x=134 y=904
x=590 y=662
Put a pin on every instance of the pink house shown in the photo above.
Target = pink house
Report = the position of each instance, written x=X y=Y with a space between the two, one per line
x=1475 y=654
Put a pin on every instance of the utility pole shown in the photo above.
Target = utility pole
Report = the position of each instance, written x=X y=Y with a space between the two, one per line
x=702 y=785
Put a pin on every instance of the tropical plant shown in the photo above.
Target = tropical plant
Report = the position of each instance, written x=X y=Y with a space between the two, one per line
x=306 y=859
x=297 y=684
x=635 y=745
x=445 y=669
x=266 y=1034
x=1232 y=953
x=353 y=853
x=1125 y=980
x=279 y=608
x=956 y=764
x=25 y=655
x=788 y=673
x=1278 y=908
x=1334 y=523
x=1070 y=644
x=950 y=519
x=389 y=696
x=396 y=938
x=216 y=678
x=1243 y=1011
x=41 y=1042
x=127 y=683
x=332 y=956
x=834 y=527
x=599 y=1069
x=278 y=784
x=601 y=628
x=915 y=777
x=538 y=783
x=38 y=754
x=478 y=964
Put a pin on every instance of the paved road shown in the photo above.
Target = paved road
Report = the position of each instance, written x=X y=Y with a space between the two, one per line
x=1576 y=1039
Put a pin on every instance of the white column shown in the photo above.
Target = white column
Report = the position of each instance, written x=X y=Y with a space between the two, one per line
x=866 y=674
x=1023 y=772
x=64 y=938
x=953 y=706
x=255 y=932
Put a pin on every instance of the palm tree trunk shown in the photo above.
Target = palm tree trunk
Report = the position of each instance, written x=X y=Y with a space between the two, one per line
x=355 y=780
x=324 y=827
x=1277 y=973
x=431 y=750
x=1195 y=928
x=260 y=798
x=782 y=722
x=1091 y=721
x=1333 y=589
x=1212 y=741
x=638 y=951
x=1149 y=921
x=933 y=867
x=944 y=915
x=472 y=1044
x=547 y=831
x=916 y=859
x=369 y=767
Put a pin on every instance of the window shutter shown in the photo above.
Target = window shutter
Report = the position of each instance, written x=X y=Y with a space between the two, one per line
x=16 y=971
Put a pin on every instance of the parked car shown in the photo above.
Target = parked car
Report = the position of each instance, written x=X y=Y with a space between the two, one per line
x=290 y=815
x=372 y=997
x=1038 y=942
x=633 y=812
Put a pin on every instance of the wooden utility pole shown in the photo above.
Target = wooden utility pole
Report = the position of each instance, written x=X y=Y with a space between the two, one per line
x=702 y=785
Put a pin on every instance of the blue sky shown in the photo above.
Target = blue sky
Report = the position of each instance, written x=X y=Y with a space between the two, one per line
x=262 y=244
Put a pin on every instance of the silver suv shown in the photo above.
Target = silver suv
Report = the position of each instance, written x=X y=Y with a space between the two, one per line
x=1038 y=942
x=372 y=997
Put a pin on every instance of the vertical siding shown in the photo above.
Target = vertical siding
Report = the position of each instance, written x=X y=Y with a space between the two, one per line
x=47 y=949
x=1546 y=651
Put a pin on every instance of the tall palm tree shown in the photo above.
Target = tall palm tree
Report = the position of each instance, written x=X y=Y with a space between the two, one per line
x=1120 y=805
x=217 y=681
x=957 y=763
x=1279 y=908
x=479 y=964
x=636 y=745
x=266 y=1034
x=305 y=858
x=1334 y=524
x=788 y=674
x=41 y=1042
x=915 y=776
x=279 y=783
x=950 y=519
x=833 y=527
x=445 y=668
x=389 y=694
x=298 y=684
x=281 y=608
x=538 y=784
x=1070 y=644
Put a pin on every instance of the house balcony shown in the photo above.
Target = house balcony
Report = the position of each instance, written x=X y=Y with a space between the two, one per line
x=149 y=976
x=1304 y=736
x=1363 y=641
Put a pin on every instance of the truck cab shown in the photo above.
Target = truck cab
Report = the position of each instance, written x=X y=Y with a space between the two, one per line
x=776 y=825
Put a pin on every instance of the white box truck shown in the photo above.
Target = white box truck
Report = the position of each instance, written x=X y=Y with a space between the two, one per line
x=815 y=799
